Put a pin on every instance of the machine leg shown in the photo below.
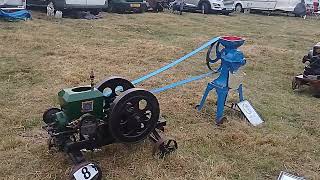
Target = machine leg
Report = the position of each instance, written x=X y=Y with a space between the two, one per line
x=205 y=95
x=88 y=170
x=76 y=157
x=222 y=96
x=240 y=93
x=162 y=145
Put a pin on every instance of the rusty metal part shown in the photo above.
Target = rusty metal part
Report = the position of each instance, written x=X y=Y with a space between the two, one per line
x=301 y=80
x=162 y=145
x=50 y=143
x=296 y=83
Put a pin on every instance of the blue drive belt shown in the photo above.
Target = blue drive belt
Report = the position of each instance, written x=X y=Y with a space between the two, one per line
x=168 y=66
x=180 y=83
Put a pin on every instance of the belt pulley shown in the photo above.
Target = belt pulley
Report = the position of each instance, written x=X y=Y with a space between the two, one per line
x=112 y=87
x=133 y=115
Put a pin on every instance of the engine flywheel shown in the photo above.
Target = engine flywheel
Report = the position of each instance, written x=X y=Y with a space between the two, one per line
x=134 y=115
x=112 y=87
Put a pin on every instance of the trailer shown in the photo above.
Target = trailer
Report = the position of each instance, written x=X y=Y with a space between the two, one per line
x=13 y=4
x=266 y=5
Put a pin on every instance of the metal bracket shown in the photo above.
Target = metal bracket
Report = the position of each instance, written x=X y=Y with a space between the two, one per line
x=162 y=145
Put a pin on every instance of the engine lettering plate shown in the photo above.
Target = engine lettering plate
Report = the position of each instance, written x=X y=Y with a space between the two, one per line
x=87 y=106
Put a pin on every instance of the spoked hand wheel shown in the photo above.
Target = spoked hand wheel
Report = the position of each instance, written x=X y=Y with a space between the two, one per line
x=113 y=86
x=162 y=145
x=217 y=54
x=167 y=147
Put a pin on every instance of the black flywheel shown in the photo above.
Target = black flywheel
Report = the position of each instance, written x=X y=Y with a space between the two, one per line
x=134 y=115
x=113 y=85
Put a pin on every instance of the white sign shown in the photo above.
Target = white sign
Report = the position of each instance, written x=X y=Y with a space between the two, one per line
x=287 y=176
x=86 y=172
x=250 y=113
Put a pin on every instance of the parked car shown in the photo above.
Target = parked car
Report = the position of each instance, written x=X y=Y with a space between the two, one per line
x=207 y=6
x=12 y=4
x=266 y=5
x=122 y=6
x=94 y=6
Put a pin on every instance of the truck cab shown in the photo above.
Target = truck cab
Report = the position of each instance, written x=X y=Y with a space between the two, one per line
x=207 y=6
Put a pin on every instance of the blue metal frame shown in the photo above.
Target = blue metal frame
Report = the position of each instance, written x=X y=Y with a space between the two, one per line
x=231 y=60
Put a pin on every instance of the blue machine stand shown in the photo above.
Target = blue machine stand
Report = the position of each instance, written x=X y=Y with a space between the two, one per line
x=231 y=60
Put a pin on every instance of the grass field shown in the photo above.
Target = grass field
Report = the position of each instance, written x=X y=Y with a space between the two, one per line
x=42 y=56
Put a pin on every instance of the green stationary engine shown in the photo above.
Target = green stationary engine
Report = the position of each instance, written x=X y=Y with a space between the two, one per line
x=112 y=111
x=78 y=101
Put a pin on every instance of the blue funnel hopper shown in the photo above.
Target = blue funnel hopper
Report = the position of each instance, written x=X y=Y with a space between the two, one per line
x=231 y=42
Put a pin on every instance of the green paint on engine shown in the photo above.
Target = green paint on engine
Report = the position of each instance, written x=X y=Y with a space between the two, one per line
x=77 y=101
x=62 y=119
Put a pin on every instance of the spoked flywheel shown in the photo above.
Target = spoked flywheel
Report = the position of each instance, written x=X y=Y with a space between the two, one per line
x=216 y=53
x=113 y=86
x=134 y=115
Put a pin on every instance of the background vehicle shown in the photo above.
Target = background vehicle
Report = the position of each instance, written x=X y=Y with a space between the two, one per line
x=266 y=5
x=122 y=6
x=207 y=6
x=157 y=5
x=12 y=4
x=94 y=6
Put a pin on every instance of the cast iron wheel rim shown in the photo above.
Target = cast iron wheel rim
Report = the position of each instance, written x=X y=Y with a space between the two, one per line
x=78 y=166
x=113 y=83
x=49 y=115
x=51 y=6
x=238 y=8
x=130 y=123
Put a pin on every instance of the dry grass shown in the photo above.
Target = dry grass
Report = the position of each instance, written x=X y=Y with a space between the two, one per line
x=39 y=57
